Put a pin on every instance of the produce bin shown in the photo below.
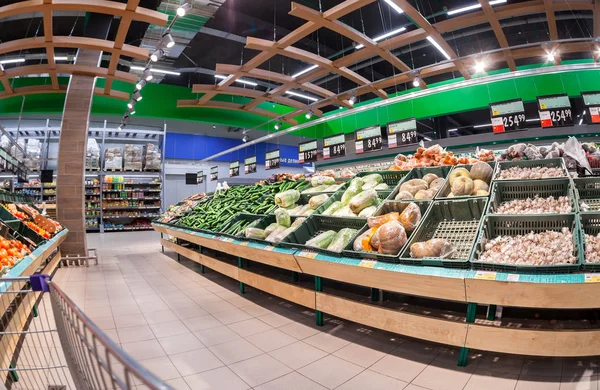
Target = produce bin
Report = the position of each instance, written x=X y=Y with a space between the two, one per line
x=262 y=224
x=511 y=225
x=305 y=198
x=19 y=228
x=239 y=217
x=383 y=195
x=587 y=189
x=445 y=190
x=387 y=207
x=550 y=162
x=507 y=190
x=317 y=224
x=454 y=220
x=418 y=173
x=391 y=178
x=589 y=224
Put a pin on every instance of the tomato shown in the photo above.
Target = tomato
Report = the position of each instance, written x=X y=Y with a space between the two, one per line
x=4 y=244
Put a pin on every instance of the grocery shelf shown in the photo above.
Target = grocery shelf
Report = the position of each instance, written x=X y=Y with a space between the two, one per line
x=131 y=207
x=128 y=228
x=145 y=198
x=131 y=216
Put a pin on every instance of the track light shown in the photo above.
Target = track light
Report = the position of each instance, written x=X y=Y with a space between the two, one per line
x=245 y=139
x=340 y=108
x=184 y=8
x=121 y=126
x=277 y=125
x=551 y=57
x=308 y=115
x=131 y=104
x=147 y=75
x=137 y=96
x=245 y=131
x=479 y=67
x=415 y=82
x=131 y=111
x=166 y=41
x=157 y=55
x=140 y=84
x=352 y=100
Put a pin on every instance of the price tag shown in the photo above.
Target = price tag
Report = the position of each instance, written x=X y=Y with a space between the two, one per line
x=334 y=146
x=234 y=168
x=592 y=278
x=214 y=173
x=513 y=277
x=485 y=275
x=269 y=248
x=497 y=125
x=508 y=115
x=595 y=114
x=307 y=152
x=245 y=243
x=272 y=159
x=308 y=254
x=402 y=133
x=367 y=140
x=367 y=263
x=250 y=165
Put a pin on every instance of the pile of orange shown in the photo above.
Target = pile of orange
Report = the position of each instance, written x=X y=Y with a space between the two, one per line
x=11 y=251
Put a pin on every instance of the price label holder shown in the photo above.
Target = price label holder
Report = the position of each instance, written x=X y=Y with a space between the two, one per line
x=214 y=173
x=245 y=243
x=592 y=278
x=591 y=101
x=272 y=159
x=402 y=133
x=200 y=177
x=367 y=263
x=307 y=151
x=512 y=277
x=508 y=115
x=485 y=275
x=249 y=165
x=234 y=168
x=309 y=254
x=269 y=248
x=368 y=139
x=334 y=146
x=555 y=110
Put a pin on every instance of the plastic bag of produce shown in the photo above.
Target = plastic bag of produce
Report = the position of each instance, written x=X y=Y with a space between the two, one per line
x=382 y=187
x=375 y=222
x=363 y=200
x=344 y=211
x=369 y=185
x=295 y=210
x=92 y=160
x=350 y=192
x=332 y=188
x=363 y=242
x=287 y=198
x=308 y=212
x=322 y=240
x=392 y=237
x=152 y=158
x=410 y=217
x=376 y=177
x=335 y=206
x=283 y=217
x=275 y=234
x=252 y=232
x=312 y=190
x=368 y=212
x=321 y=180
x=298 y=222
x=318 y=200
x=436 y=247
x=347 y=173
x=573 y=150
x=113 y=158
x=341 y=239
x=133 y=157
x=269 y=229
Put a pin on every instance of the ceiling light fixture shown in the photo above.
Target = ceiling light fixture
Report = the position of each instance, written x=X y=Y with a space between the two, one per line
x=120 y=127
x=550 y=57
x=437 y=46
x=394 y=6
x=308 y=115
x=425 y=137
x=415 y=82
x=480 y=66
x=472 y=7
x=484 y=125
x=185 y=6
x=155 y=70
x=277 y=125
x=137 y=96
x=131 y=104
x=241 y=81
x=166 y=41
x=451 y=130
x=157 y=55
x=302 y=96
x=132 y=111
x=61 y=58
x=12 y=61
x=147 y=75
x=140 y=84
x=305 y=71
x=381 y=37
x=245 y=139
x=352 y=100
x=581 y=121
x=532 y=120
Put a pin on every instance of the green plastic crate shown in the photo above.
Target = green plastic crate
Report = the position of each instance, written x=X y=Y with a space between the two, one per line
x=418 y=173
x=589 y=224
x=550 y=162
x=262 y=224
x=19 y=227
x=316 y=224
x=454 y=220
x=506 y=190
x=587 y=189
x=387 y=207
x=239 y=217
x=511 y=225
x=391 y=178
x=445 y=190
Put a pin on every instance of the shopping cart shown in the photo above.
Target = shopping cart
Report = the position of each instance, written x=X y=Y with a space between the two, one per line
x=47 y=343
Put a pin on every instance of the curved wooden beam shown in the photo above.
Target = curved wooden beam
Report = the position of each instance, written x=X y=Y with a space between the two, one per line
x=70 y=69
x=45 y=89
x=231 y=107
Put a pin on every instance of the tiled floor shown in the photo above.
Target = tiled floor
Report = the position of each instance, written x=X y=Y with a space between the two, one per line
x=197 y=332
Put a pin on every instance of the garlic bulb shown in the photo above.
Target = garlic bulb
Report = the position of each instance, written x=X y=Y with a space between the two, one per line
x=521 y=173
x=592 y=248
x=545 y=248
x=537 y=205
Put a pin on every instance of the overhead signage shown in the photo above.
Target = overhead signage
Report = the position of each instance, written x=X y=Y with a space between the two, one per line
x=214 y=173
x=402 y=133
x=272 y=159
x=555 y=110
x=334 y=146
x=200 y=178
x=368 y=139
x=234 y=168
x=507 y=116
x=591 y=101
x=307 y=151
x=250 y=165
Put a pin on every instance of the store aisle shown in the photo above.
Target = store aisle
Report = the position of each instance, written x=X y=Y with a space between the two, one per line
x=197 y=332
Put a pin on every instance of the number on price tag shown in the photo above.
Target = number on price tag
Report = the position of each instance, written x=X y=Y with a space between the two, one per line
x=308 y=254
x=592 y=278
x=485 y=275
x=367 y=263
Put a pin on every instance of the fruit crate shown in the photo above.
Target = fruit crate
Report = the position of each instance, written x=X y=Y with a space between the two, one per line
x=418 y=173
x=587 y=190
x=589 y=224
x=505 y=191
x=550 y=162
x=317 y=224
x=511 y=225
x=19 y=229
x=383 y=195
x=387 y=207
x=446 y=189
x=391 y=178
x=232 y=221
x=454 y=220
x=262 y=224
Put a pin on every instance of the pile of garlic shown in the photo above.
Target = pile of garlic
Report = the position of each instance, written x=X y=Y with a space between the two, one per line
x=545 y=248
x=521 y=173
x=537 y=205
x=592 y=248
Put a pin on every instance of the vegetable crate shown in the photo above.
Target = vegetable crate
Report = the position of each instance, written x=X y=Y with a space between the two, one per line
x=262 y=224
x=387 y=207
x=446 y=189
x=590 y=224
x=317 y=224
x=550 y=162
x=511 y=225
x=237 y=224
x=19 y=229
x=456 y=221
x=507 y=190
x=305 y=199
x=383 y=195
x=418 y=173
x=587 y=190
x=391 y=178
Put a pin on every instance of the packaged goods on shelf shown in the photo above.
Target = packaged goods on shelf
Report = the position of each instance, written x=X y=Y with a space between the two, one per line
x=133 y=157
x=113 y=158
x=92 y=159
x=151 y=158
x=434 y=155
x=34 y=153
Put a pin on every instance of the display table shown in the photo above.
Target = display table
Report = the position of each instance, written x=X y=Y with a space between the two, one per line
x=560 y=291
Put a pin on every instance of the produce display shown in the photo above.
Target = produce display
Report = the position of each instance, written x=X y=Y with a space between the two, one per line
x=533 y=173
x=592 y=248
x=360 y=199
x=436 y=247
x=433 y=156
x=470 y=182
x=536 y=205
x=276 y=231
x=11 y=252
x=183 y=207
x=424 y=188
x=331 y=240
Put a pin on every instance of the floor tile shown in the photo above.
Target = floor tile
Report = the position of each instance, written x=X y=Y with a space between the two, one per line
x=260 y=369
x=542 y=367
x=172 y=328
x=404 y=363
x=330 y=371
x=157 y=317
x=220 y=378
x=218 y=306
x=123 y=310
x=193 y=362
x=327 y=342
x=232 y=316
x=299 y=330
x=201 y=323
x=574 y=367
x=491 y=380
x=274 y=319
x=189 y=311
x=372 y=381
x=180 y=343
x=575 y=382
x=162 y=367
x=298 y=354
x=501 y=363
x=444 y=376
x=146 y=349
x=249 y=327
x=178 y=384
x=538 y=383
x=271 y=340
x=291 y=381
x=362 y=353
x=235 y=351
x=135 y=333
x=128 y=321
x=217 y=335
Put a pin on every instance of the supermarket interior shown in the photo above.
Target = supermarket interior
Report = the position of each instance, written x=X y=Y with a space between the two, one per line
x=315 y=194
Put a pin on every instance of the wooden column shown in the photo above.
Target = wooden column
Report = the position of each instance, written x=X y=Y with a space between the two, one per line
x=70 y=192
